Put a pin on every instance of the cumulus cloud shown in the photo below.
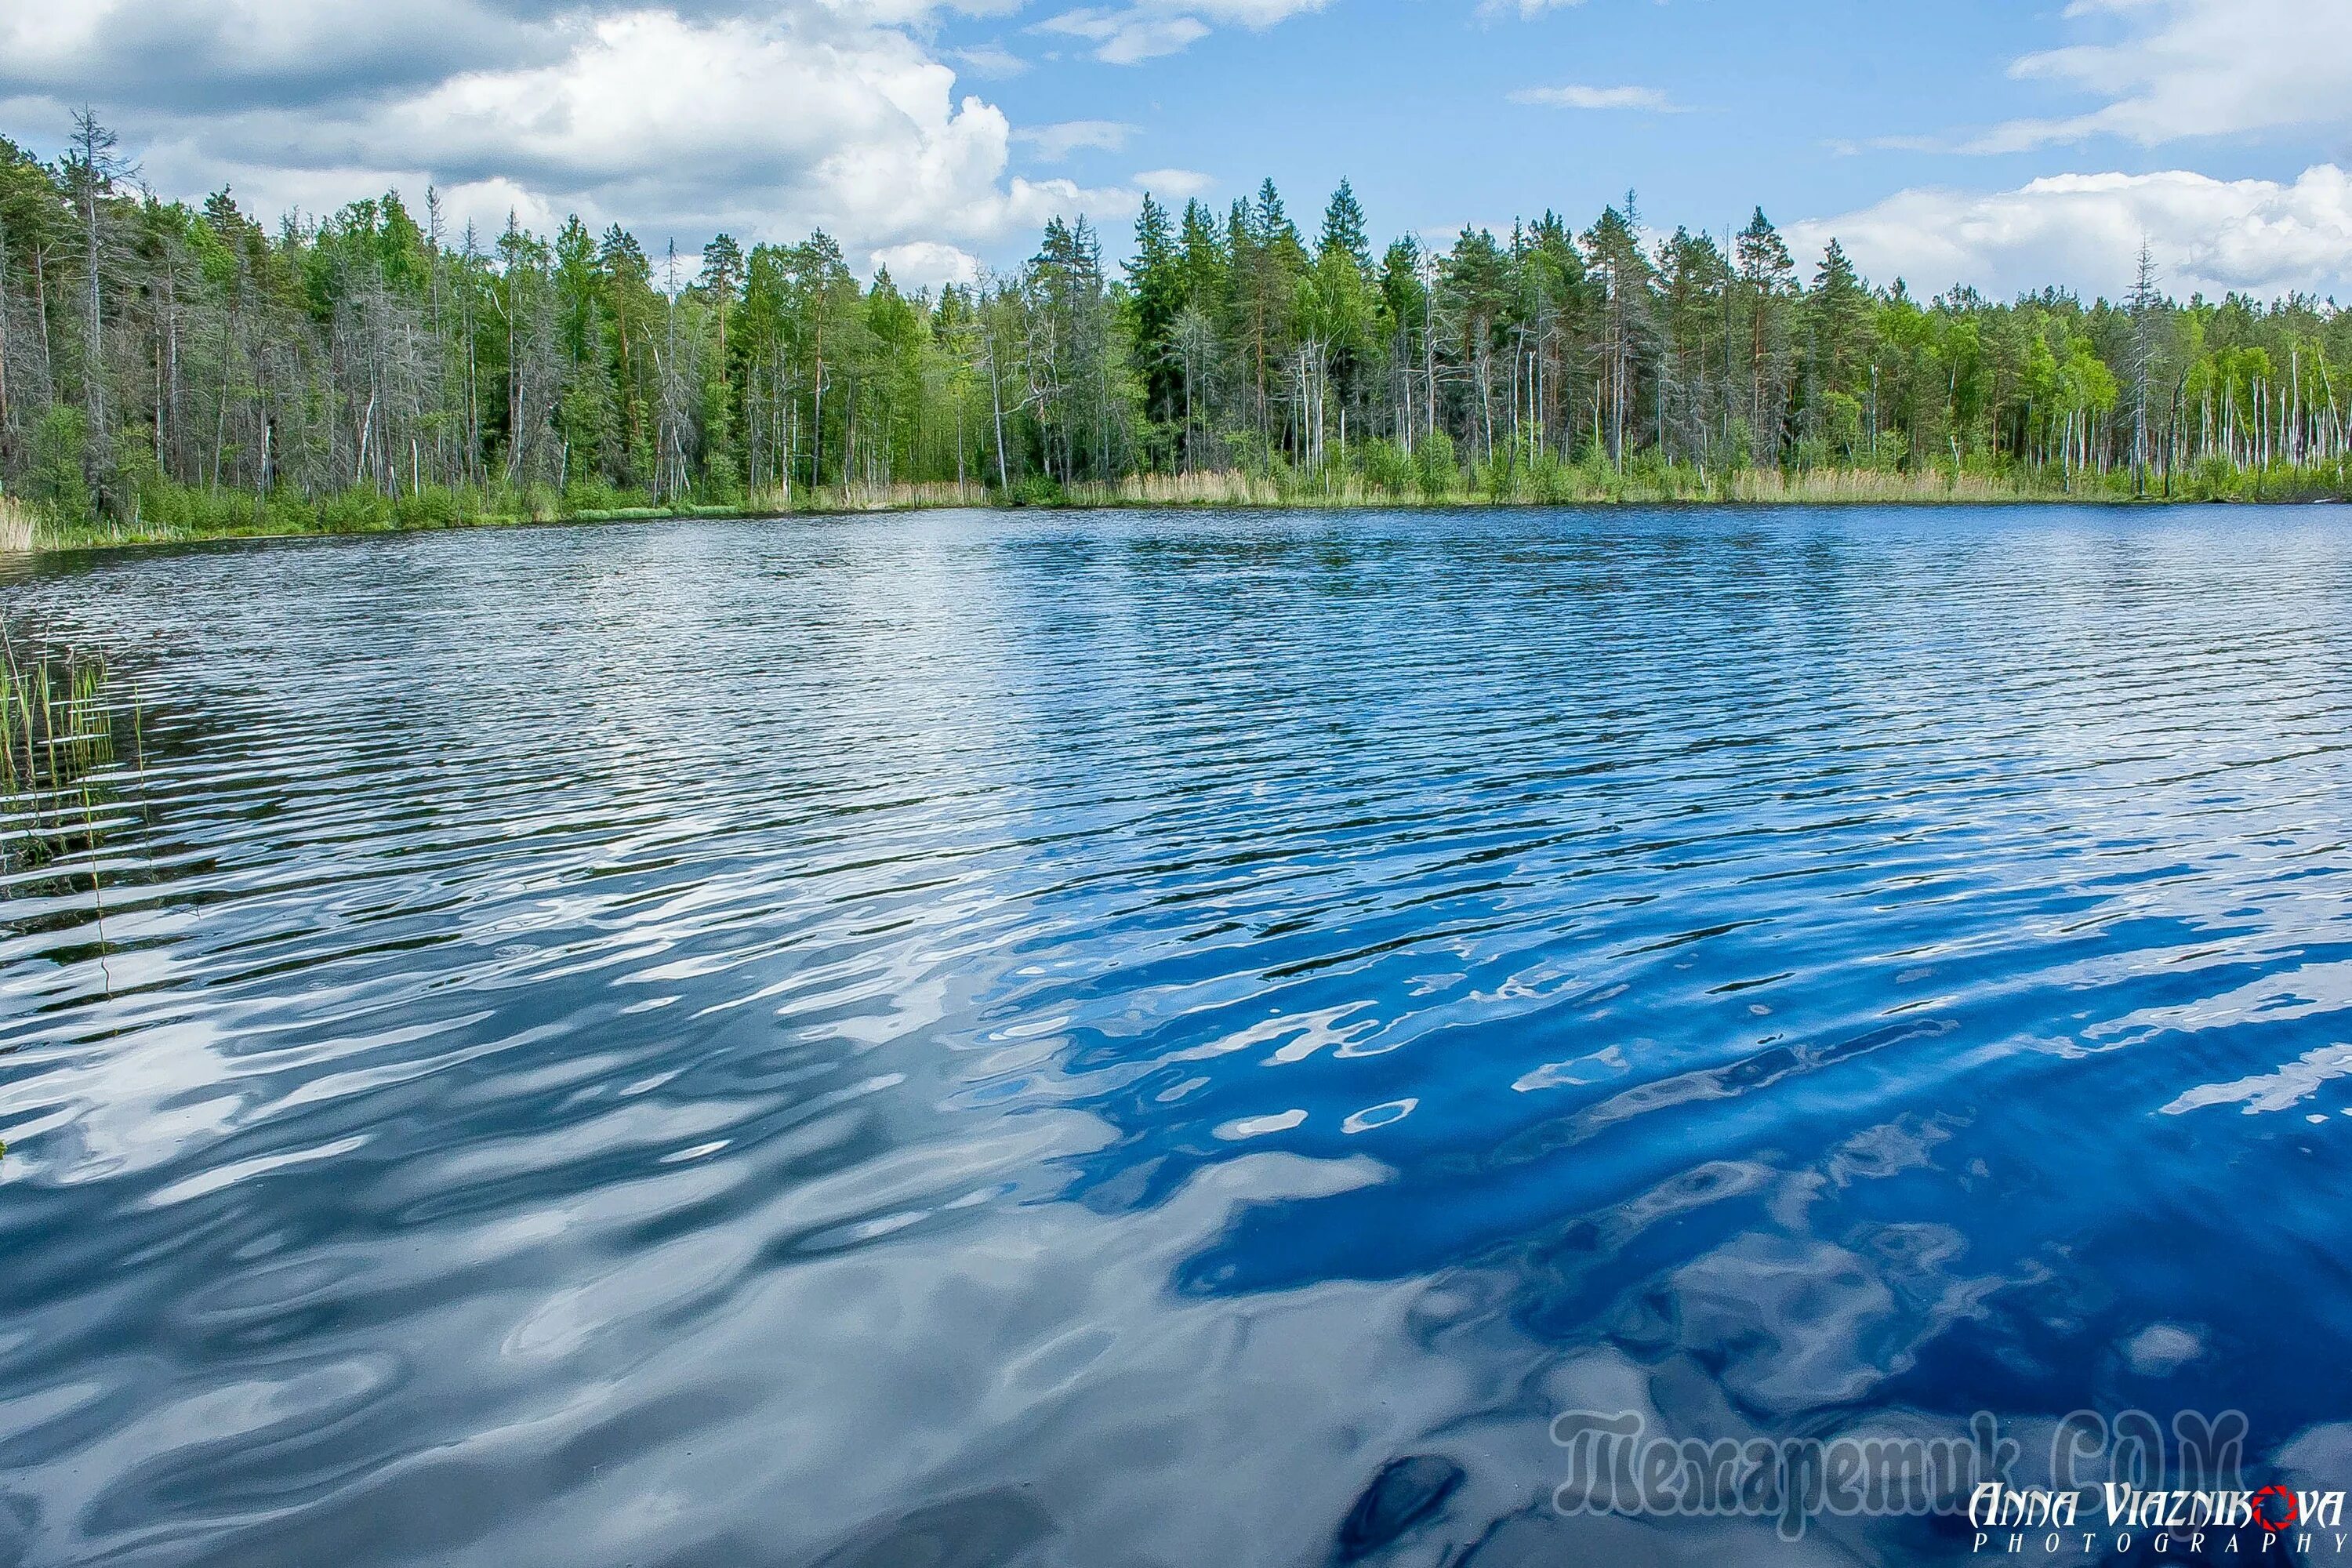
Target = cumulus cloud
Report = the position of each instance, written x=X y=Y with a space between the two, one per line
x=203 y=55
x=2193 y=67
x=925 y=264
x=2084 y=231
x=768 y=122
x=1577 y=95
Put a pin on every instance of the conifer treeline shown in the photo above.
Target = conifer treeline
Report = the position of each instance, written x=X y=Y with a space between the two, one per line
x=156 y=356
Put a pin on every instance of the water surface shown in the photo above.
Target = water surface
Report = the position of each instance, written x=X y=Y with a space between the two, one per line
x=1079 y=1039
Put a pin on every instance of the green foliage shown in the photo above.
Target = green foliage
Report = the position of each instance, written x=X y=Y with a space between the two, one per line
x=53 y=479
x=376 y=370
x=1437 y=470
x=1038 y=490
x=1388 y=468
x=63 y=747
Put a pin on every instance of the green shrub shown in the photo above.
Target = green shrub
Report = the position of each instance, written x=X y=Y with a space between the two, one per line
x=55 y=480
x=1039 y=489
x=1440 y=475
x=429 y=509
x=1388 y=468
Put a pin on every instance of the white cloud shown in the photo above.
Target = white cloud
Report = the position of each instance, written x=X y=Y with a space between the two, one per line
x=2083 y=231
x=793 y=126
x=830 y=114
x=1256 y=14
x=925 y=264
x=1529 y=10
x=1127 y=38
x=2194 y=67
x=992 y=61
x=1577 y=95
x=179 y=54
x=1149 y=28
x=1054 y=143
x=1173 y=184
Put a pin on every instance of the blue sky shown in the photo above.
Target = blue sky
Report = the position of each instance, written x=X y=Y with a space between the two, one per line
x=1412 y=99
x=1997 y=144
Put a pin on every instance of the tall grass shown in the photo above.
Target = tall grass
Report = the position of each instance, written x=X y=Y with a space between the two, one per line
x=1380 y=473
x=1816 y=486
x=824 y=500
x=1541 y=483
x=60 y=772
x=55 y=727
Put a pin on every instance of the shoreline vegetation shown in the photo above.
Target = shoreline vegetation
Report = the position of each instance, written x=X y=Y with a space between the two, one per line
x=194 y=516
x=171 y=370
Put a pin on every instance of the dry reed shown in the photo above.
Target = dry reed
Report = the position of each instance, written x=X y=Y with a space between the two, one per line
x=16 y=527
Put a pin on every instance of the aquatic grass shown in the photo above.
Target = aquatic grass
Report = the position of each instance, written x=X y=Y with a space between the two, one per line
x=1381 y=474
x=1391 y=478
x=830 y=500
x=1872 y=486
x=59 y=709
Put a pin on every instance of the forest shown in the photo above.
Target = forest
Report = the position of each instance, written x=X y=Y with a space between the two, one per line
x=177 y=369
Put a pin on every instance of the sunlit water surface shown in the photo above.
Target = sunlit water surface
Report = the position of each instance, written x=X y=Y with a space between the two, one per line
x=1079 y=1039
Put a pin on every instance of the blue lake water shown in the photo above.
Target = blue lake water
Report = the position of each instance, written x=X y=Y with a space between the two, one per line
x=1086 y=1038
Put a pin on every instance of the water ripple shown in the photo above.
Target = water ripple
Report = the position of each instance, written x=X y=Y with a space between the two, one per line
x=1073 y=1040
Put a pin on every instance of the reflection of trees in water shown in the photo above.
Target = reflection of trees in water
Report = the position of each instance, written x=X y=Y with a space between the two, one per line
x=72 y=778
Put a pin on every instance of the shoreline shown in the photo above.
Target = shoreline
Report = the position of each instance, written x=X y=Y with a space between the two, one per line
x=25 y=537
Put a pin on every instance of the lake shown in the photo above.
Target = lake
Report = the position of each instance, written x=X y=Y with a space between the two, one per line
x=1179 y=1038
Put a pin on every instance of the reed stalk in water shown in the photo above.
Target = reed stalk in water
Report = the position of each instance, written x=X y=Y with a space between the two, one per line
x=56 y=752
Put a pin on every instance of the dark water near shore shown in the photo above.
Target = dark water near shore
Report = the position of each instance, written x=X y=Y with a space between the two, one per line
x=1077 y=1039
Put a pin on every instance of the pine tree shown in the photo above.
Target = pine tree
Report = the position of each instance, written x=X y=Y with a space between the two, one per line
x=1155 y=298
x=1768 y=279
